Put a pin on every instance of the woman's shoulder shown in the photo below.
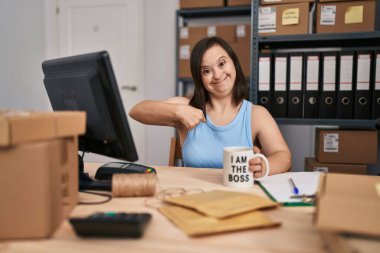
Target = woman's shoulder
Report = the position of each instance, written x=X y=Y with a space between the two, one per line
x=259 y=111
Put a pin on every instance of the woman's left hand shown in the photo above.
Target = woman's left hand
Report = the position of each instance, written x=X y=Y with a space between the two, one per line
x=256 y=165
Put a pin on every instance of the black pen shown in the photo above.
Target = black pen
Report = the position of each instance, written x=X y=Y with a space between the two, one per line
x=294 y=187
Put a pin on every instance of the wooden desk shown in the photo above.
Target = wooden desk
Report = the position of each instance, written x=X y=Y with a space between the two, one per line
x=295 y=235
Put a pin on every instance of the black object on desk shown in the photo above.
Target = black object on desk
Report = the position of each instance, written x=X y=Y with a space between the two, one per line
x=106 y=171
x=111 y=224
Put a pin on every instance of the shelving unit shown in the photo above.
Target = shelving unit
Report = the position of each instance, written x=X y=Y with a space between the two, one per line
x=362 y=40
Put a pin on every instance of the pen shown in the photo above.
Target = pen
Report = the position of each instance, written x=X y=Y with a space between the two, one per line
x=295 y=189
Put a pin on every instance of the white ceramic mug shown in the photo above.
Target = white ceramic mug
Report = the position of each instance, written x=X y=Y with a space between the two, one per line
x=236 y=171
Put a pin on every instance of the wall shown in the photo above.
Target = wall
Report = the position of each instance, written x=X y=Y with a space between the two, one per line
x=22 y=47
x=160 y=71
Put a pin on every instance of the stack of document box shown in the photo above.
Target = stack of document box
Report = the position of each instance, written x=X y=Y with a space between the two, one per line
x=326 y=85
x=39 y=171
x=343 y=151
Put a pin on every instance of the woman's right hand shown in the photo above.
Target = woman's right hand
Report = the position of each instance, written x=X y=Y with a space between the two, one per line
x=189 y=117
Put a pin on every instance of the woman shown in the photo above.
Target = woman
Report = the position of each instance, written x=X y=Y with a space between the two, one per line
x=218 y=115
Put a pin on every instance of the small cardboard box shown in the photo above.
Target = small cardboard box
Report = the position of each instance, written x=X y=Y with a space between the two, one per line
x=284 y=19
x=39 y=171
x=188 y=4
x=347 y=16
x=346 y=146
x=238 y=2
x=313 y=165
x=348 y=203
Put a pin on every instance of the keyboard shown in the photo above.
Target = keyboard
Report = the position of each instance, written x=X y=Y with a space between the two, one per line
x=111 y=224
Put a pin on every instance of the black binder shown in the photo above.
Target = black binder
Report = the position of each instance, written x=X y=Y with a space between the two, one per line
x=280 y=80
x=363 y=85
x=312 y=85
x=328 y=86
x=296 y=82
x=345 y=82
x=376 y=87
x=265 y=87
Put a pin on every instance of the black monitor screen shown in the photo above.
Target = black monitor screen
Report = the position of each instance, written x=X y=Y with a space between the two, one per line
x=87 y=83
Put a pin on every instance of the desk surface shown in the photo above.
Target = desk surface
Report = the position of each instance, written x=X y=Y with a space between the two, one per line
x=296 y=234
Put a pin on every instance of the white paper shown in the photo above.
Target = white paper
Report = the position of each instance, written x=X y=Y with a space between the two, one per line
x=345 y=82
x=280 y=74
x=240 y=31
x=331 y=143
x=184 y=52
x=329 y=73
x=211 y=31
x=184 y=33
x=362 y=80
x=312 y=73
x=281 y=189
x=295 y=73
x=264 y=74
x=267 y=19
x=328 y=13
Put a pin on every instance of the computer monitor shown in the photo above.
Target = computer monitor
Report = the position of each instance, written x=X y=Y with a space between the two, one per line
x=87 y=83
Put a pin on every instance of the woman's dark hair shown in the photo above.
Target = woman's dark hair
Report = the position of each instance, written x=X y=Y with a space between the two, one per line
x=201 y=97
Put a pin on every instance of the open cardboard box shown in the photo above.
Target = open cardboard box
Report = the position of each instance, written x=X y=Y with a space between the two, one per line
x=39 y=171
x=348 y=203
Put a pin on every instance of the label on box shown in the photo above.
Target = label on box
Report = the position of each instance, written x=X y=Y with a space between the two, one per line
x=328 y=13
x=184 y=52
x=211 y=31
x=354 y=15
x=184 y=33
x=331 y=143
x=240 y=31
x=290 y=16
x=267 y=19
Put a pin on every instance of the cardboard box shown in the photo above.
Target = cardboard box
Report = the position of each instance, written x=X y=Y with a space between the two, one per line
x=38 y=177
x=284 y=19
x=187 y=4
x=238 y=2
x=348 y=203
x=313 y=165
x=346 y=146
x=350 y=16
x=271 y=2
x=242 y=50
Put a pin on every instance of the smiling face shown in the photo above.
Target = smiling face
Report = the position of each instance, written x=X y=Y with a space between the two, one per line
x=218 y=72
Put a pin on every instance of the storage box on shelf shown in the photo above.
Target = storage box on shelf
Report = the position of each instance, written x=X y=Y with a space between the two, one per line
x=186 y=4
x=346 y=146
x=311 y=164
x=347 y=16
x=238 y=2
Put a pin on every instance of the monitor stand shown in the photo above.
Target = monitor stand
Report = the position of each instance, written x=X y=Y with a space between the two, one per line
x=87 y=183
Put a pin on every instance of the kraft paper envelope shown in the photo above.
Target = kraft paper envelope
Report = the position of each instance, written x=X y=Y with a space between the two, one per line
x=195 y=224
x=222 y=204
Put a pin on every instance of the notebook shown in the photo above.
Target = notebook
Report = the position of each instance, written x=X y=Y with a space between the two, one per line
x=279 y=188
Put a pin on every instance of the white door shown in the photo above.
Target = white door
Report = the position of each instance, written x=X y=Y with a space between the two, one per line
x=116 y=26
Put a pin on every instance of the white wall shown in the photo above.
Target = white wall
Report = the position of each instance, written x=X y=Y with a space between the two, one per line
x=22 y=47
x=160 y=71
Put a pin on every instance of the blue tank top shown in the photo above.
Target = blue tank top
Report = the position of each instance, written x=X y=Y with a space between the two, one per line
x=204 y=144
